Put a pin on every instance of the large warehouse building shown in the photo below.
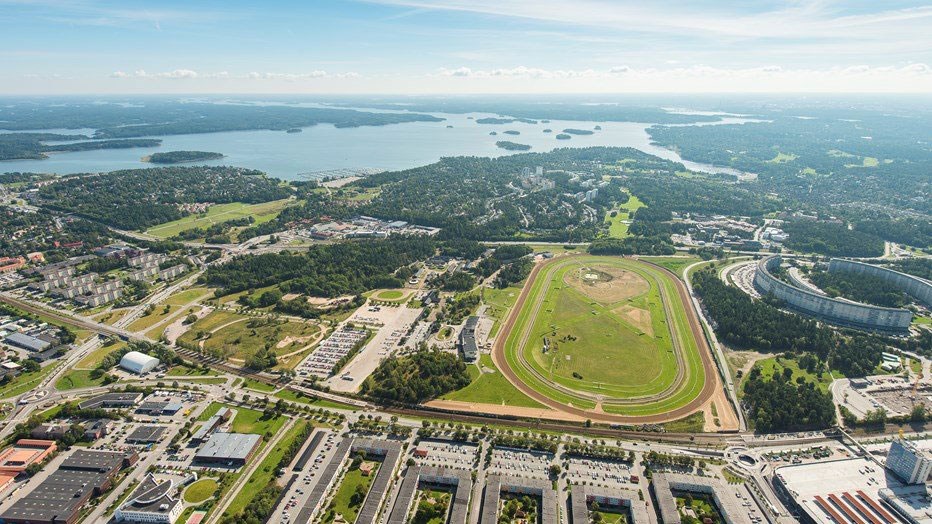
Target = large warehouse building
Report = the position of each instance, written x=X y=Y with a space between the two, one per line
x=139 y=363
x=833 y=310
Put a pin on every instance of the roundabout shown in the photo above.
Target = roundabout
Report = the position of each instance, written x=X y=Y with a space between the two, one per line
x=609 y=339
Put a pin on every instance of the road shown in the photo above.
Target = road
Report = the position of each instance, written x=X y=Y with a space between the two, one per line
x=717 y=347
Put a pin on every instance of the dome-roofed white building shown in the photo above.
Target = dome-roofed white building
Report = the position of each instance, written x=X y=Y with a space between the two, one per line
x=139 y=363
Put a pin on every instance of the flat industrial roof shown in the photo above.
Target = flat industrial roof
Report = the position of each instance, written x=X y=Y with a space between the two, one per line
x=233 y=446
x=145 y=434
x=839 y=486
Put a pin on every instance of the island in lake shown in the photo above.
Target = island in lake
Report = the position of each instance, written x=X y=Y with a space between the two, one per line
x=294 y=130
x=512 y=132
x=493 y=133
x=178 y=157
x=597 y=128
x=563 y=136
x=578 y=132
x=512 y=146
x=493 y=120
x=548 y=130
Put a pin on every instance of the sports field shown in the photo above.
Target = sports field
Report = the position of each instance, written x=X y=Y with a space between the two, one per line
x=606 y=335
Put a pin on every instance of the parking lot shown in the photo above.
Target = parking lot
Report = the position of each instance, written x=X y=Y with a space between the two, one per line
x=454 y=455
x=321 y=361
x=525 y=464
x=306 y=479
x=391 y=325
x=595 y=472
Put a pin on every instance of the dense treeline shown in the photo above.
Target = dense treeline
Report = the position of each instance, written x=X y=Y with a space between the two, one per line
x=324 y=270
x=139 y=198
x=915 y=232
x=33 y=145
x=920 y=267
x=177 y=157
x=859 y=287
x=780 y=404
x=416 y=378
x=154 y=117
x=832 y=239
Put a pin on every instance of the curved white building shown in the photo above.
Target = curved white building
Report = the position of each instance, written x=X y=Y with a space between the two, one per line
x=833 y=310
x=139 y=363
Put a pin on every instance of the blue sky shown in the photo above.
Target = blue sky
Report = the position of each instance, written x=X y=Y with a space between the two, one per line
x=463 y=46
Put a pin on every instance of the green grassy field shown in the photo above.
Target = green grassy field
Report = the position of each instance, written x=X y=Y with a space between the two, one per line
x=342 y=503
x=388 y=294
x=94 y=357
x=769 y=366
x=246 y=420
x=200 y=491
x=586 y=330
x=499 y=302
x=25 y=382
x=186 y=296
x=185 y=371
x=220 y=213
x=674 y=264
x=491 y=388
x=244 y=338
x=77 y=379
x=157 y=315
x=617 y=226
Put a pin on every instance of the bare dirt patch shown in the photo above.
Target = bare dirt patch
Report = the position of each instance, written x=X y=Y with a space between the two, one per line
x=606 y=284
x=637 y=317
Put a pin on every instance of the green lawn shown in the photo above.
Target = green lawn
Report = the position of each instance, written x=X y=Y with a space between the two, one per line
x=220 y=213
x=258 y=386
x=388 y=294
x=246 y=420
x=25 y=382
x=157 y=315
x=499 y=302
x=492 y=388
x=618 y=228
x=266 y=470
x=76 y=379
x=186 y=371
x=200 y=491
x=95 y=357
x=674 y=264
x=186 y=297
x=243 y=339
x=208 y=323
x=782 y=158
x=772 y=365
x=342 y=501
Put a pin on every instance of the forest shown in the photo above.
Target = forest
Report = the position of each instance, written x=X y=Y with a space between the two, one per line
x=139 y=198
x=327 y=270
x=860 y=287
x=780 y=404
x=165 y=116
x=15 y=146
x=416 y=378
x=177 y=157
x=832 y=239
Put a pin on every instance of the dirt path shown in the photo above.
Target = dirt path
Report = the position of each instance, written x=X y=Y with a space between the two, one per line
x=710 y=386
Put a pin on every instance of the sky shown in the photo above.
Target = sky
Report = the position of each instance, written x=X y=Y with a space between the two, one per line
x=463 y=46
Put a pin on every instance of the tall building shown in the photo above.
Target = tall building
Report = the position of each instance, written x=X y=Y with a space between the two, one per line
x=908 y=462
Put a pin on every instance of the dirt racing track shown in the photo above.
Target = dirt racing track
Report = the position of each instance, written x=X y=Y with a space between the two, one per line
x=693 y=386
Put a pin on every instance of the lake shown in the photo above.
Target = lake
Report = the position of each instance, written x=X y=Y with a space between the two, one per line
x=292 y=156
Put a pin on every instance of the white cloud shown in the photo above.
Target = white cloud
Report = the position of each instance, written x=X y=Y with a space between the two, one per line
x=189 y=74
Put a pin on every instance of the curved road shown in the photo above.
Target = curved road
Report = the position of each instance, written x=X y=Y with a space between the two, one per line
x=705 y=354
